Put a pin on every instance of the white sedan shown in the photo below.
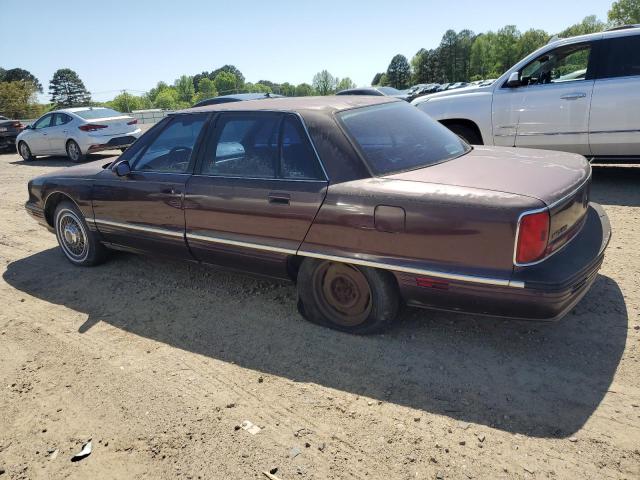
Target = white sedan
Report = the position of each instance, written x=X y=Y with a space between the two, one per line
x=75 y=132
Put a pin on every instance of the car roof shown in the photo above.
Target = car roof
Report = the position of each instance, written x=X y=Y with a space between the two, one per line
x=236 y=97
x=623 y=31
x=328 y=104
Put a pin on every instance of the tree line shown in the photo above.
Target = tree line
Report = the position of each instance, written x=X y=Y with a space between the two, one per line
x=460 y=56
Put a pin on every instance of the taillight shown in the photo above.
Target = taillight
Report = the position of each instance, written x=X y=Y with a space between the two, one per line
x=92 y=127
x=17 y=125
x=533 y=236
x=133 y=122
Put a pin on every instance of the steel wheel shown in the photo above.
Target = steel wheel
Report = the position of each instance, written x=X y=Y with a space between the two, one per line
x=72 y=236
x=342 y=293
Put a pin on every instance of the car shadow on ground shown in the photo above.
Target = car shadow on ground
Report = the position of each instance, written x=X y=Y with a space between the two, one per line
x=539 y=379
x=60 y=161
x=616 y=185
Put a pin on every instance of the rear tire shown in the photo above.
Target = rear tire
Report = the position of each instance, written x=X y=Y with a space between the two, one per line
x=467 y=133
x=77 y=242
x=25 y=152
x=74 y=153
x=345 y=297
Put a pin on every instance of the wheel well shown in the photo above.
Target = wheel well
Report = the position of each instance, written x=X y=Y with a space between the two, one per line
x=463 y=121
x=53 y=200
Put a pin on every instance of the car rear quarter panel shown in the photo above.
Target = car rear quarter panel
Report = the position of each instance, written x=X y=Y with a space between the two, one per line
x=447 y=228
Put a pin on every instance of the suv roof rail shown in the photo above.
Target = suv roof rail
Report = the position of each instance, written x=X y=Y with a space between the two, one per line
x=623 y=27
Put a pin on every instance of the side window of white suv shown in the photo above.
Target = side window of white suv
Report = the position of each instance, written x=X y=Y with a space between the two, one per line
x=564 y=64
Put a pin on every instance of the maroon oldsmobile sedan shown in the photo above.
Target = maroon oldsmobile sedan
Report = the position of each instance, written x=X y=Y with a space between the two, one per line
x=365 y=202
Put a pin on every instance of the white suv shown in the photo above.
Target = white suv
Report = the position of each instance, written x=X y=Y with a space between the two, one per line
x=579 y=95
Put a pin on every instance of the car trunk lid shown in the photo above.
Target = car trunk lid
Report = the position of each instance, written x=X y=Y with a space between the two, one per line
x=560 y=180
x=122 y=125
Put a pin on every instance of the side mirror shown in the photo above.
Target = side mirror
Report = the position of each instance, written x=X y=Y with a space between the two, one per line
x=123 y=169
x=514 y=80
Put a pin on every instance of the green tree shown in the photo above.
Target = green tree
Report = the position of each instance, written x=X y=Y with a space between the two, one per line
x=304 y=90
x=399 y=72
x=324 y=83
x=344 y=84
x=624 y=12
x=18 y=99
x=167 y=99
x=530 y=41
x=589 y=24
x=287 y=90
x=206 y=89
x=448 y=53
x=506 y=48
x=376 y=78
x=125 y=102
x=233 y=70
x=464 y=42
x=184 y=87
x=67 y=90
x=483 y=58
x=20 y=75
x=153 y=93
x=225 y=83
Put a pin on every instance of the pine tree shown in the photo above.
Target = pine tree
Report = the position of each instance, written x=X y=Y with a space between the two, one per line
x=67 y=90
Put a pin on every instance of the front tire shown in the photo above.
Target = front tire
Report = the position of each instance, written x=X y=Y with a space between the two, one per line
x=25 y=152
x=74 y=153
x=77 y=242
x=346 y=297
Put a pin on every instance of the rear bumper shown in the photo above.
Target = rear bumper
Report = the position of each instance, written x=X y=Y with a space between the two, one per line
x=8 y=138
x=113 y=143
x=551 y=288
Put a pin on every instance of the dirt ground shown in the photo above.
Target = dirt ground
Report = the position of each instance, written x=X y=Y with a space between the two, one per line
x=159 y=363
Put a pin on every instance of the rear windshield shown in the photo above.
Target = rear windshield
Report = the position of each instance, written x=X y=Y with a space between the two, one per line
x=98 y=113
x=396 y=136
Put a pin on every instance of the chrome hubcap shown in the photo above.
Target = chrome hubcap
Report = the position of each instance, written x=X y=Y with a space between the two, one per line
x=24 y=151
x=73 y=239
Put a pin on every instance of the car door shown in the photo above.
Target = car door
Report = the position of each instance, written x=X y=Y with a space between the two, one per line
x=550 y=107
x=38 y=139
x=255 y=193
x=614 y=125
x=143 y=211
x=556 y=95
x=58 y=133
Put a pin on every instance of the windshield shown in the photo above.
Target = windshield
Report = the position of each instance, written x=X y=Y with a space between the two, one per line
x=389 y=90
x=396 y=136
x=98 y=113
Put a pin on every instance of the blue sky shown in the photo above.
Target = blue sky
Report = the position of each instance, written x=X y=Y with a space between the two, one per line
x=115 y=45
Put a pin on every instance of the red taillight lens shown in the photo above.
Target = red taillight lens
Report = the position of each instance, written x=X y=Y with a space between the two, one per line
x=91 y=127
x=133 y=122
x=16 y=125
x=533 y=236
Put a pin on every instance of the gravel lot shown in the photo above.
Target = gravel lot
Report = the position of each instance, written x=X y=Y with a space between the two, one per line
x=159 y=362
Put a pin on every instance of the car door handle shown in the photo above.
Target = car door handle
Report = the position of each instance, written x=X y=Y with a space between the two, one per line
x=279 y=198
x=573 y=96
x=172 y=192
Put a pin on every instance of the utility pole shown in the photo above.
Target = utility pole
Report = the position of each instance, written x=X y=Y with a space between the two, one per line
x=126 y=100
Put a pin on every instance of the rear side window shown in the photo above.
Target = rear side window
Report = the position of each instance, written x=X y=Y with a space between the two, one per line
x=621 y=57
x=298 y=158
x=247 y=146
x=397 y=136
x=170 y=151
x=61 y=119
x=261 y=145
